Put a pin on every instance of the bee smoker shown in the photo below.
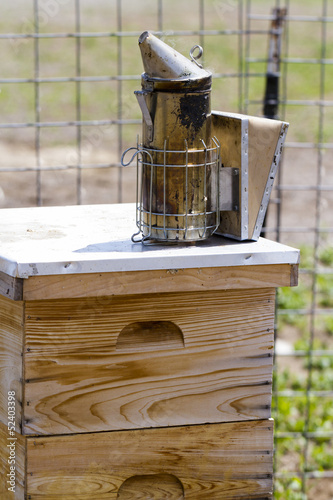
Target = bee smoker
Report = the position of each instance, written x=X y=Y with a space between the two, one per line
x=179 y=159
x=184 y=191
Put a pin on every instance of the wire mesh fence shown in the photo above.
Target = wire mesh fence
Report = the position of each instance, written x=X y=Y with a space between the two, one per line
x=68 y=72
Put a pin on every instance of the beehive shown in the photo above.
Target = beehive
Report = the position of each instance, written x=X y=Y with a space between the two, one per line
x=138 y=372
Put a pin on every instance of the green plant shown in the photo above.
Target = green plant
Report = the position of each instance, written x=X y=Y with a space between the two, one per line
x=326 y=256
x=289 y=489
x=325 y=290
x=293 y=299
x=306 y=256
x=328 y=324
x=321 y=456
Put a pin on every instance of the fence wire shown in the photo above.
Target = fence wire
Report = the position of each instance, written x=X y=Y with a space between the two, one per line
x=69 y=68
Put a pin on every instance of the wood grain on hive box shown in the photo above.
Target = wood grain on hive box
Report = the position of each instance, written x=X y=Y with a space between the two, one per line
x=210 y=461
x=168 y=359
x=216 y=461
x=189 y=358
x=101 y=337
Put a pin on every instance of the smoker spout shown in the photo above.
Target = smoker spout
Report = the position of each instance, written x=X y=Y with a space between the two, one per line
x=162 y=61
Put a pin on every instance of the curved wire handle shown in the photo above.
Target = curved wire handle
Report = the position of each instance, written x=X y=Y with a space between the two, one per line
x=137 y=151
x=198 y=56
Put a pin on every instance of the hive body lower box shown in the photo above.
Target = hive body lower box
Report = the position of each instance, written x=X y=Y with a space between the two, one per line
x=138 y=372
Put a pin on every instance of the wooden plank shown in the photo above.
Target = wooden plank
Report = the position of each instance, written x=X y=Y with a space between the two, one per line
x=232 y=460
x=294 y=275
x=12 y=462
x=10 y=287
x=158 y=281
x=78 y=381
x=11 y=351
x=11 y=347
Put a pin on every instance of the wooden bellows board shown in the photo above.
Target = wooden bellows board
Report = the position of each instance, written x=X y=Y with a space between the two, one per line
x=138 y=372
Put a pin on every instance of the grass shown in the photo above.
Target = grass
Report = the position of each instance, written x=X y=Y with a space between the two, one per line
x=99 y=57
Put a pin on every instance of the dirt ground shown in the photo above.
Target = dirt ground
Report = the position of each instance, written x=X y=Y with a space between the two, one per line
x=59 y=187
x=300 y=207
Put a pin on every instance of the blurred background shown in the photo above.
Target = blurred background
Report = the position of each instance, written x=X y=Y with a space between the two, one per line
x=67 y=112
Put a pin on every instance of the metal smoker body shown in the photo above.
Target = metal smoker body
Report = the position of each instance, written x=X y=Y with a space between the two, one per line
x=179 y=157
x=184 y=191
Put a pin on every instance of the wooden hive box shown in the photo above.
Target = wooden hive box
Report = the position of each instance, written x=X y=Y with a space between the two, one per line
x=130 y=371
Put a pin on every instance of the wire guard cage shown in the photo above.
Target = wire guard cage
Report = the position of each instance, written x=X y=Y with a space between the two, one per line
x=177 y=192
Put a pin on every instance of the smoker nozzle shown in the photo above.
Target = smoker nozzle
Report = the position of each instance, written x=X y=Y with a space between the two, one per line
x=162 y=61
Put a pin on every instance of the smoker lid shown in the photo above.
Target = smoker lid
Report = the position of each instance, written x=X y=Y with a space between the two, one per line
x=162 y=62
